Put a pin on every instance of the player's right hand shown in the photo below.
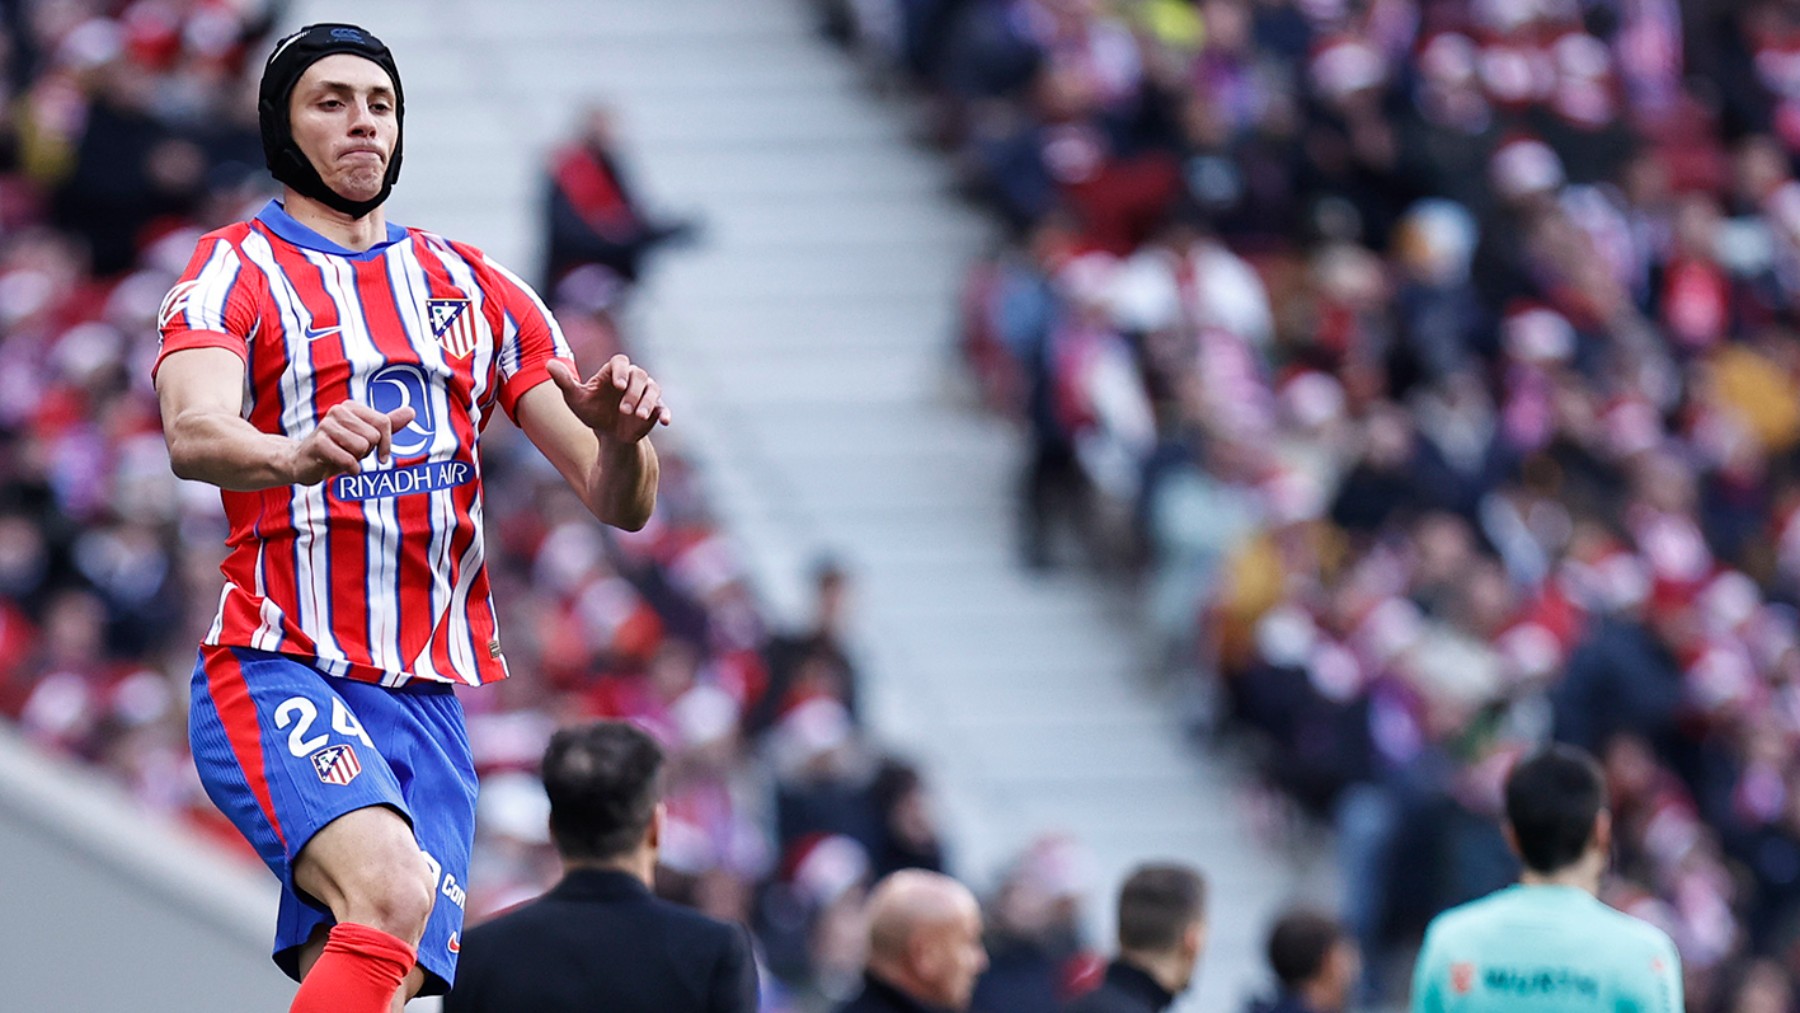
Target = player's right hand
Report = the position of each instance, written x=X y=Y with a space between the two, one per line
x=344 y=437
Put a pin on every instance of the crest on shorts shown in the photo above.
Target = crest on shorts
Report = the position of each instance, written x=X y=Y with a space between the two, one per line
x=453 y=323
x=337 y=764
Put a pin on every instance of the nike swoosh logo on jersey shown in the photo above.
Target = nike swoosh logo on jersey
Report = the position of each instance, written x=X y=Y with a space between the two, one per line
x=315 y=333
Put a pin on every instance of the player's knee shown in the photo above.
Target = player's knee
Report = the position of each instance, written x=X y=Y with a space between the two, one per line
x=396 y=896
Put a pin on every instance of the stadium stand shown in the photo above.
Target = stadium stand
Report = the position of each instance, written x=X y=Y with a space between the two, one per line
x=128 y=135
x=1438 y=356
x=1442 y=356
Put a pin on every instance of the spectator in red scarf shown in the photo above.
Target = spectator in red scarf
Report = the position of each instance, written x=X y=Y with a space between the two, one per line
x=595 y=215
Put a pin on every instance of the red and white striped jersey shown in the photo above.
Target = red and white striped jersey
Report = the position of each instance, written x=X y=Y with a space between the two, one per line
x=377 y=576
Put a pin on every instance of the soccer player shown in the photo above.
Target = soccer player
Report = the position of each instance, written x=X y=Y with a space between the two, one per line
x=1548 y=943
x=332 y=373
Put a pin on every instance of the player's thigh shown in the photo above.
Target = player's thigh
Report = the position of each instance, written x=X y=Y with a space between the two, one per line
x=280 y=752
x=367 y=868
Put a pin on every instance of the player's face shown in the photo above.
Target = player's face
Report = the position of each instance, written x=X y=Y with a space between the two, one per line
x=345 y=122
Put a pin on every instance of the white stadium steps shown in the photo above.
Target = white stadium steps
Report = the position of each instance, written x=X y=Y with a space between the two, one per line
x=805 y=347
x=104 y=908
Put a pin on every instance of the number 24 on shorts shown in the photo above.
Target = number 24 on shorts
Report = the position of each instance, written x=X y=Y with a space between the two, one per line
x=301 y=713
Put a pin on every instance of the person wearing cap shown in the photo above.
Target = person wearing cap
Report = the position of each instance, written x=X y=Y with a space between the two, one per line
x=599 y=940
x=331 y=372
x=1547 y=942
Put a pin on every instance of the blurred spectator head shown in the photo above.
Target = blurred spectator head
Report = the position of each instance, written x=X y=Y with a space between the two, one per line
x=1759 y=168
x=831 y=588
x=1436 y=242
x=1525 y=170
x=599 y=127
x=1313 y=956
x=905 y=804
x=74 y=630
x=925 y=937
x=1346 y=71
x=604 y=784
x=1556 y=811
x=1040 y=897
x=1388 y=438
x=1162 y=921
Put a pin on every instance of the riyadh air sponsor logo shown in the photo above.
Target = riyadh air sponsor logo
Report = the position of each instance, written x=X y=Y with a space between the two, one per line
x=337 y=764
x=403 y=385
x=453 y=323
x=431 y=476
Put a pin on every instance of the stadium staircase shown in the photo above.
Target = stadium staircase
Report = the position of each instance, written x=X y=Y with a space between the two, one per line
x=806 y=351
x=106 y=910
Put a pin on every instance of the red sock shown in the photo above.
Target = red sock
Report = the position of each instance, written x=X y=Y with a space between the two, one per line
x=359 y=972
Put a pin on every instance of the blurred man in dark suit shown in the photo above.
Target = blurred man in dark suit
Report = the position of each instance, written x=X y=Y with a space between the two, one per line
x=599 y=940
x=1162 y=932
x=924 y=946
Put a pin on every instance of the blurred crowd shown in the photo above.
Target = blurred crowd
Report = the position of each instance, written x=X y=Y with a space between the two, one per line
x=1434 y=360
x=1437 y=360
x=127 y=130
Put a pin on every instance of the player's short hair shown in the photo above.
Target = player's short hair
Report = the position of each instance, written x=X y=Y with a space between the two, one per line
x=604 y=780
x=1157 y=904
x=1299 y=944
x=1552 y=799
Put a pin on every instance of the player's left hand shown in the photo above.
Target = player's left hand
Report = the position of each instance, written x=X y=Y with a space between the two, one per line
x=620 y=401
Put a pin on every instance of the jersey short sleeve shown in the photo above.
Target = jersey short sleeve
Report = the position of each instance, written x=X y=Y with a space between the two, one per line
x=529 y=339
x=214 y=305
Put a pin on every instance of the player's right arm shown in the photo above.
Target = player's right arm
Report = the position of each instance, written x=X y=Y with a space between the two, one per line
x=205 y=326
x=201 y=391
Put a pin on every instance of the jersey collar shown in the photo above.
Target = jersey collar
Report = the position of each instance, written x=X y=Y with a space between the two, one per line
x=277 y=220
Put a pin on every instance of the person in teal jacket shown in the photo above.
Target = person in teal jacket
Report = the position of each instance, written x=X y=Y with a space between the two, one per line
x=1547 y=944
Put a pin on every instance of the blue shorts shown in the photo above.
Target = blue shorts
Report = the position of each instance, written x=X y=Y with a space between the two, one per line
x=284 y=749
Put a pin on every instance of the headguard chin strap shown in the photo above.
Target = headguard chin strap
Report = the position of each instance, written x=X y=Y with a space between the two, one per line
x=292 y=55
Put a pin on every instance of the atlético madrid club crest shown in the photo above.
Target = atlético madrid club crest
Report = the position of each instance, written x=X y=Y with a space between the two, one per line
x=453 y=322
x=337 y=764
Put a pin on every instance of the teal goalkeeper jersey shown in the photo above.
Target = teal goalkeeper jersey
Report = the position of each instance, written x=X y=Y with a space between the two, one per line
x=1545 y=949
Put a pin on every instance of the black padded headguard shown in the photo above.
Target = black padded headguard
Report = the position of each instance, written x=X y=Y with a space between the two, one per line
x=287 y=63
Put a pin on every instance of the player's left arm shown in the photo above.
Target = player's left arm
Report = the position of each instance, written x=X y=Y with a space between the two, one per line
x=597 y=434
